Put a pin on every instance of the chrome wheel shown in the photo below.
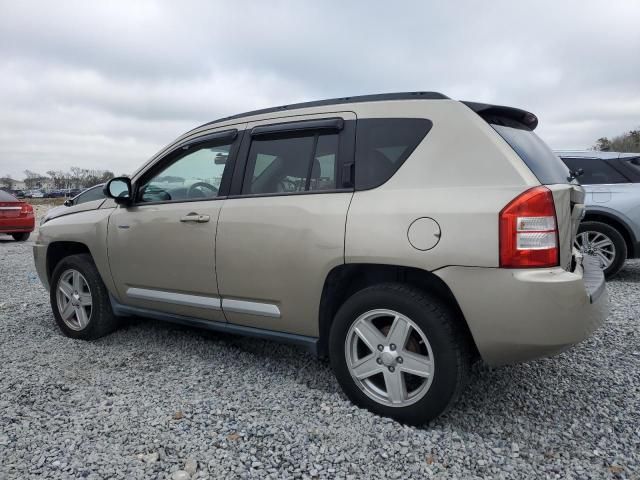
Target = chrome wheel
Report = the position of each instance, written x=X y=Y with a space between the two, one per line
x=389 y=358
x=598 y=245
x=73 y=297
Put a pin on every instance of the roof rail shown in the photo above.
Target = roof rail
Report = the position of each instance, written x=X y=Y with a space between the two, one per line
x=381 y=97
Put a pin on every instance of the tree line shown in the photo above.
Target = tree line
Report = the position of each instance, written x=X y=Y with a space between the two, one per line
x=627 y=142
x=75 y=177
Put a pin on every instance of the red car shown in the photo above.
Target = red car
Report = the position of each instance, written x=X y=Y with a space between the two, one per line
x=16 y=217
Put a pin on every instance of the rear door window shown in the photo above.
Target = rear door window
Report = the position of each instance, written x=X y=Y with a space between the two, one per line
x=540 y=159
x=292 y=162
x=595 y=171
x=383 y=145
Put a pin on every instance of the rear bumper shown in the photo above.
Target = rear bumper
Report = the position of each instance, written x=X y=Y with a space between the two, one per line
x=17 y=225
x=519 y=315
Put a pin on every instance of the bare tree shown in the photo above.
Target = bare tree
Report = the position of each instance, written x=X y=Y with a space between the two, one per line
x=34 y=179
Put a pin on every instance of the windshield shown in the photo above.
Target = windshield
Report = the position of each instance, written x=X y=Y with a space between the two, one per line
x=540 y=159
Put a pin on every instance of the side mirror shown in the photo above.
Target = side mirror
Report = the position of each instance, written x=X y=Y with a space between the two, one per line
x=68 y=203
x=119 y=189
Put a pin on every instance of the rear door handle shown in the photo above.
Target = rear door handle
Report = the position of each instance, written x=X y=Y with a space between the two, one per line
x=194 y=217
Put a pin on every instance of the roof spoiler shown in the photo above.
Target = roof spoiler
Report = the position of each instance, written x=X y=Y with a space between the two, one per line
x=522 y=116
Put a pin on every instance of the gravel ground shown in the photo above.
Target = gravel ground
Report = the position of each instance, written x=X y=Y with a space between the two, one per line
x=155 y=401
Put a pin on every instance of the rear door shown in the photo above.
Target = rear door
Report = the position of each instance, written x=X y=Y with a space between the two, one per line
x=282 y=228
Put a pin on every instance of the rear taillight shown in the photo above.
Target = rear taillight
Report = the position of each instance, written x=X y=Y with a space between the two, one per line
x=529 y=231
x=26 y=209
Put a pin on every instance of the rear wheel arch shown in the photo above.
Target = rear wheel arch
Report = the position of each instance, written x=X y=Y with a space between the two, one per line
x=619 y=225
x=345 y=280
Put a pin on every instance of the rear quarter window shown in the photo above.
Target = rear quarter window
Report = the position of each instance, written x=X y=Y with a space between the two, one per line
x=540 y=159
x=383 y=145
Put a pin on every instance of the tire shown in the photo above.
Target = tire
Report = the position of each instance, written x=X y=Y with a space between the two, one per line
x=598 y=231
x=446 y=345
x=98 y=319
x=21 y=237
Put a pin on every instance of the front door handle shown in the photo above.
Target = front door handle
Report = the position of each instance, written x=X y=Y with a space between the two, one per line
x=194 y=217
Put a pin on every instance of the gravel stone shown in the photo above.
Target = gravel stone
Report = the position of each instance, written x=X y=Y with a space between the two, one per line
x=208 y=405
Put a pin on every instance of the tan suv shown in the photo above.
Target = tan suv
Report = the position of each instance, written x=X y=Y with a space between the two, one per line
x=401 y=235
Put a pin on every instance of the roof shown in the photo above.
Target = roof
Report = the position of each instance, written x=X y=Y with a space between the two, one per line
x=594 y=154
x=381 y=97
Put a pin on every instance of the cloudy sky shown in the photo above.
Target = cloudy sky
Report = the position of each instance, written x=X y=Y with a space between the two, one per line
x=106 y=84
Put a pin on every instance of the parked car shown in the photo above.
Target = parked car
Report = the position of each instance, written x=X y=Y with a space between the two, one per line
x=401 y=235
x=34 y=194
x=90 y=195
x=16 y=217
x=610 y=230
x=56 y=194
x=17 y=193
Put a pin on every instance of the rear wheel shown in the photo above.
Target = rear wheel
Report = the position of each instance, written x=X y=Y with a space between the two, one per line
x=20 y=237
x=603 y=242
x=79 y=299
x=398 y=352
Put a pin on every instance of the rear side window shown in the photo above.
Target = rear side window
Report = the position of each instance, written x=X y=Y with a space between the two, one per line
x=382 y=146
x=596 y=171
x=540 y=159
x=297 y=162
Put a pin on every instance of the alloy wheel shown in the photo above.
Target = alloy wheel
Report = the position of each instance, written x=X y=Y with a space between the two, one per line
x=73 y=296
x=389 y=357
x=597 y=245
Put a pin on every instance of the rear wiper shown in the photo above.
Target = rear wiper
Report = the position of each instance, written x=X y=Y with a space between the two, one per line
x=574 y=174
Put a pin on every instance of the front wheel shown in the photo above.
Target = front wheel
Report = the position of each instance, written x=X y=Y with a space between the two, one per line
x=21 y=237
x=399 y=353
x=79 y=299
x=603 y=242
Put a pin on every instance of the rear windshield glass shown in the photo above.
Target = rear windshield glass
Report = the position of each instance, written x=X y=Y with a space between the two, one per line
x=7 y=197
x=544 y=164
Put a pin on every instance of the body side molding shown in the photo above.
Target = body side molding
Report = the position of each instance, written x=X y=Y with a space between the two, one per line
x=308 y=343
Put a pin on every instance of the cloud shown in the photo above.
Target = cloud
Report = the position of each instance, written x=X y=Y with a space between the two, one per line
x=107 y=84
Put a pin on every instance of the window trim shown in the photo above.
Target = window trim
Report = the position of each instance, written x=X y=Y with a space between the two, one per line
x=336 y=124
x=182 y=150
x=346 y=155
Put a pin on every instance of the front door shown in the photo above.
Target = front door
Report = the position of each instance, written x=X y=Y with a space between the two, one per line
x=162 y=247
